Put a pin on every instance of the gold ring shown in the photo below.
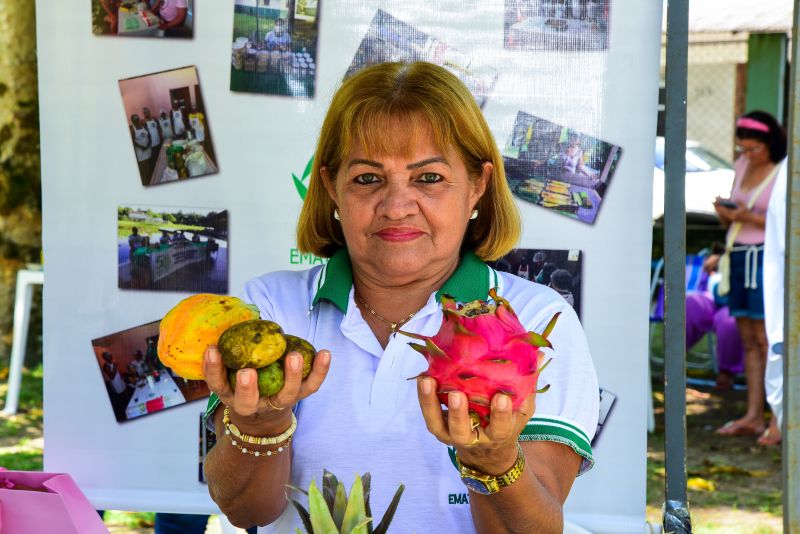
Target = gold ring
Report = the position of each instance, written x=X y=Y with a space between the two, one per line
x=477 y=438
x=269 y=401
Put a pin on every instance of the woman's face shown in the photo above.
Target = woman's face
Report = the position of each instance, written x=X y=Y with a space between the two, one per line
x=756 y=152
x=404 y=217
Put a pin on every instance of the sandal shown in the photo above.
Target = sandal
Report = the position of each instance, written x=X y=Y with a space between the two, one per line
x=736 y=428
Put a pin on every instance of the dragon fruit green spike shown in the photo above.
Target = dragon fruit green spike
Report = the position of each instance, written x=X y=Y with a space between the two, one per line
x=482 y=349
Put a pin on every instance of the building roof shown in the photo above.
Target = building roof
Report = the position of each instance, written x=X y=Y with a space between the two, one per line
x=761 y=16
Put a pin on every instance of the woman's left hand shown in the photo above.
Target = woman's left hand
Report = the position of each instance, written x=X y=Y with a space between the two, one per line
x=495 y=449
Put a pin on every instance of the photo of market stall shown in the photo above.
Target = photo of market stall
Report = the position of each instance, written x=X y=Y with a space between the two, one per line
x=556 y=24
x=274 y=48
x=559 y=168
x=390 y=39
x=137 y=382
x=169 y=130
x=154 y=18
x=172 y=249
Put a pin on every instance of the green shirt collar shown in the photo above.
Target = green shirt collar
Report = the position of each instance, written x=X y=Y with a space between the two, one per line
x=469 y=282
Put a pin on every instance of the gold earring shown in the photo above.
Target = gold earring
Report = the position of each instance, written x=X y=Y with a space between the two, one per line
x=336 y=215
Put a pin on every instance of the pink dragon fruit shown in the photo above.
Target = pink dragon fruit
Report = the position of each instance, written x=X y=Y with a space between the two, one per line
x=482 y=349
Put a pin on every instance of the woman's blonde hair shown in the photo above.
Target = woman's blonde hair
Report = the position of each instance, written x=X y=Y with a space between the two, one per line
x=410 y=98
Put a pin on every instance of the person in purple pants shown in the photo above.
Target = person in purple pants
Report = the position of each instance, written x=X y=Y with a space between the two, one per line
x=703 y=315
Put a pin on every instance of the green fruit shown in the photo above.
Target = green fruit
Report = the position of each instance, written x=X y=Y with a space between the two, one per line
x=306 y=349
x=270 y=379
x=252 y=344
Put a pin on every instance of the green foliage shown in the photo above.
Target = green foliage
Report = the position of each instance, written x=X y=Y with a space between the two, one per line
x=332 y=511
x=22 y=461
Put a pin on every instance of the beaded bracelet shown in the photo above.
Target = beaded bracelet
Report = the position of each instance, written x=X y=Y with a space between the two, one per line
x=230 y=428
x=245 y=450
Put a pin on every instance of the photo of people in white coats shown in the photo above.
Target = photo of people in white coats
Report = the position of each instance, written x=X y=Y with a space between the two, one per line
x=168 y=126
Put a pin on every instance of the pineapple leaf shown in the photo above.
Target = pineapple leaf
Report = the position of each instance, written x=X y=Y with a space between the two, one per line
x=389 y=514
x=295 y=488
x=550 y=325
x=355 y=514
x=363 y=527
x=321 y=520
x=304 y=516
x=329 y=486
x=339 y=504
x=537 y=340
x=544 y=389
x=366 y=481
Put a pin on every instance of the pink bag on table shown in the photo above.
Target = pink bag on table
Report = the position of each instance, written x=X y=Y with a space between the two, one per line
x=43 y=503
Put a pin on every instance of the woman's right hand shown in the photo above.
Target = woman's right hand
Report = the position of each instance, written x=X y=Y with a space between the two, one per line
x=257 y=415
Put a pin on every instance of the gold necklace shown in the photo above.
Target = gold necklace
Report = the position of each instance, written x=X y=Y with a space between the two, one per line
x=392 y=324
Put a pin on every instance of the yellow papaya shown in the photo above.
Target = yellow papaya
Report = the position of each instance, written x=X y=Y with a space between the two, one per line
x=193 y=324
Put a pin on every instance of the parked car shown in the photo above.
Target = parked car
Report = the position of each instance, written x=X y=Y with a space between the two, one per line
x=707 y=177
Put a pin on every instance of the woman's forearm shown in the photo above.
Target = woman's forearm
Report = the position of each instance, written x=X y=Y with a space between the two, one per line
x=249 y=490
x=755 y=219
x=523 y=507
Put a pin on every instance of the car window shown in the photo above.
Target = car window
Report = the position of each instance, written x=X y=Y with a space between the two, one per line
x=698 y=159
x=704 y=160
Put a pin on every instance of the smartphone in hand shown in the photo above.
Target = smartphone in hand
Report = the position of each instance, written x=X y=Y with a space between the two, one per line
x=728 y=204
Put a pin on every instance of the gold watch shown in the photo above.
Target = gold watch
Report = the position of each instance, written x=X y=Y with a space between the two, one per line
x=488 y=484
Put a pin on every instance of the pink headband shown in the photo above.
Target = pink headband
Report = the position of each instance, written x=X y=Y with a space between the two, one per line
x=752 y=124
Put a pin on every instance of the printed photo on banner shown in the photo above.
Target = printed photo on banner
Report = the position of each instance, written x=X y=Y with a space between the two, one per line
x=390 y=39
x=206 y=440
x=172 y=249
x=556 y=24
x=560 y=270
x=274 y=50
x=150 y=18
x=136 y=381
x=168 y=126
x=559 y=168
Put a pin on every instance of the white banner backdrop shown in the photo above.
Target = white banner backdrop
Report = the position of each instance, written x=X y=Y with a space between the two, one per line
x=602 y=92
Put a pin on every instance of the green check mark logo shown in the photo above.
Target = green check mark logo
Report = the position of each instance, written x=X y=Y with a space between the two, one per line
x=301 y=184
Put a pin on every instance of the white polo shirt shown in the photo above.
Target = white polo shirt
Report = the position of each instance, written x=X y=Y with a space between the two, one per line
x=366 y=415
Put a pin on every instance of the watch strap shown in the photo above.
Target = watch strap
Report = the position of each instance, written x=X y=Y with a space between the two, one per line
x=500 y=481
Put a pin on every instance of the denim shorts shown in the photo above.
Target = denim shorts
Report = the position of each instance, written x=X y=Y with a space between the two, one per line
x=747 y=301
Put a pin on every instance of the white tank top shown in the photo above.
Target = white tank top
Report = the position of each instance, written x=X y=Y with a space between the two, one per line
x=152 y=127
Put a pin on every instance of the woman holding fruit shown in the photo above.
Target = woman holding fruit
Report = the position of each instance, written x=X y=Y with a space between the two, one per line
x=407 y=199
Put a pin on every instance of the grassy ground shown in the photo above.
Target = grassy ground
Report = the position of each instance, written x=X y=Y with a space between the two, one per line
x=735 y=485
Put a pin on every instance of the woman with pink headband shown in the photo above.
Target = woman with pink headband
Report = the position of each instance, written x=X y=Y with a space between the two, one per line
x=761 y=143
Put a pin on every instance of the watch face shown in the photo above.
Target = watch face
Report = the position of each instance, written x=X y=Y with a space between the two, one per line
x=476 y=485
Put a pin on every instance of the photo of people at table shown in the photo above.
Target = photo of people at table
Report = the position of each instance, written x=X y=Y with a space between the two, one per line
x=148 y=18
x=390 y=39
x=136 y=381
x=556 y=24
x=172 y=249
x=559 y=168
x=561 y=270
x=274 y=48
x=168 y=126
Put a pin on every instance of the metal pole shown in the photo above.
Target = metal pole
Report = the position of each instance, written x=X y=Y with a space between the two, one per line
x=791 y=328
x=676 y=508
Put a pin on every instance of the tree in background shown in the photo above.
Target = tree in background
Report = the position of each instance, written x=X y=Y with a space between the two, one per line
x=20 y=181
